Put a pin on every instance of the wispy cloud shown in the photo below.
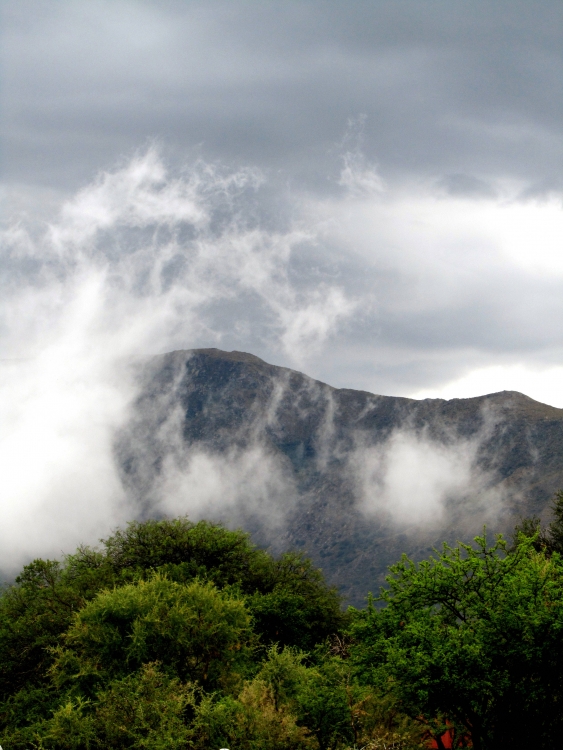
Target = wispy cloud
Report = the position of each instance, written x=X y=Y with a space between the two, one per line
x=137 y=263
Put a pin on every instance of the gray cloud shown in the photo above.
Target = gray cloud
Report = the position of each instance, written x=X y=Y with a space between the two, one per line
x=448 y=88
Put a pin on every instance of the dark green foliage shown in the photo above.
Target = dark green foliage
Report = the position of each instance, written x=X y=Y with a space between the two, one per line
x=532 y=530
x=144 y=709
x=185 y=550
x=297 y=608
x=33 y=614
x=556 y=525
x=288 y=598
x=196 y=601
x=323 y=705
x=548 y=539
x=186 y=635
x=195 y=631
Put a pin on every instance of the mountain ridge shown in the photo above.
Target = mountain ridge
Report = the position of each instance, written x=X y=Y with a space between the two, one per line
x=247 y=357
x=313 y=442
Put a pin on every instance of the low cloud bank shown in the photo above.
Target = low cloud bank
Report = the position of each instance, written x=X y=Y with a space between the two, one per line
x=139 y=262
x=146 y=260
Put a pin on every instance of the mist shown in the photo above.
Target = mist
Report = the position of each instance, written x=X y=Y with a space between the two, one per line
x=151 y=258
x=140 y=262
x=413 y=481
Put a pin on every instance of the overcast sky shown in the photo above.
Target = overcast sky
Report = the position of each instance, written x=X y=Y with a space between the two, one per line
x=408 y=153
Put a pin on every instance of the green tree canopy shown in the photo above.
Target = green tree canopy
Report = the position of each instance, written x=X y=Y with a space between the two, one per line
x=198 y=602
x=472 y=639
x=288 y=597
x=194 y=630
x=145 y=709
x=548 y=539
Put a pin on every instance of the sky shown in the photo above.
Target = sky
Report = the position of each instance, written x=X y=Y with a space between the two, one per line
x=369 y=192
x=418 y=145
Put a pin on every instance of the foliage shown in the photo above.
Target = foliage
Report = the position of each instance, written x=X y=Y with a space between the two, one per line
x=184 y=550
x=291 y=705
x=145 y=709
x=471 y=640
x=323 y=705
x=298 y=609
x=548 y=540
x=183 y=635
x=194 y=630
x=33 y=614
x=158 y=634
x=288 y=597
x=250 y=722
x=556 y=525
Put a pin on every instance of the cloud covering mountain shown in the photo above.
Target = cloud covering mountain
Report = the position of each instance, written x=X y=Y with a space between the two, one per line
x=370 y=193
x=352 y=478
x=424 y=137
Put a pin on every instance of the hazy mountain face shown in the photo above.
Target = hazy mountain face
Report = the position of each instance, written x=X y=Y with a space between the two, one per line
x=354 y=479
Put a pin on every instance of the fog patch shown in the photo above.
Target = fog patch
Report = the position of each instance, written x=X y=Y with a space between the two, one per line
x=231 y=476
x=232 y=487
x=414 y=480
x=139 y=262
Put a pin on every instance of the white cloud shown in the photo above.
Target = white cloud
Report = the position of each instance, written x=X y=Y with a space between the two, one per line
x=542 y=384
x=416 y=482
x=238 y=485
x=143 y=261
x=139 y=262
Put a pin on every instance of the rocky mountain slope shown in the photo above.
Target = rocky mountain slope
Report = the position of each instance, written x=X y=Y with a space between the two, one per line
x=352 y=478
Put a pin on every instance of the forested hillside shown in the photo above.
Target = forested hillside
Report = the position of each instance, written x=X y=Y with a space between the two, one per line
x=175 y=634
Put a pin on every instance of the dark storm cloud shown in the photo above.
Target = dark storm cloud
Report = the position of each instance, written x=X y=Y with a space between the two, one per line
x=449 y=88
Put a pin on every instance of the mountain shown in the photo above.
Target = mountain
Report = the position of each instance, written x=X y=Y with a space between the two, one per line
x=351 y=478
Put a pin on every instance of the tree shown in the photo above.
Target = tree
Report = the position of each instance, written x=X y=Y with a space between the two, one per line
x=555 y=531
x=194 y=630
x=58 y=644
x=548 y=539
x=323 y=705
x=185 y=550
x=298 y=608
x=145 y=709
x=472 y=640
x=288 y=597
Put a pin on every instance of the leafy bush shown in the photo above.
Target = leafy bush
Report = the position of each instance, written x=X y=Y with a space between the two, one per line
x=164 y=625
x=183 y=635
